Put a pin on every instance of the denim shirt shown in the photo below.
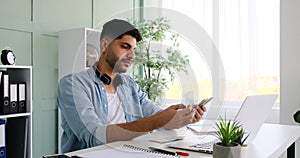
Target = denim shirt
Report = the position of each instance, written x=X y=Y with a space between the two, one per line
x=83 y=104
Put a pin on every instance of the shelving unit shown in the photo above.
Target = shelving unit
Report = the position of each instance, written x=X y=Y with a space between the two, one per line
x=19 y=74
x=74 y=45
x=73 y=48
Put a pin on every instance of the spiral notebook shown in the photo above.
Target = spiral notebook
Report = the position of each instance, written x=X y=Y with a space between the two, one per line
x=126 y=151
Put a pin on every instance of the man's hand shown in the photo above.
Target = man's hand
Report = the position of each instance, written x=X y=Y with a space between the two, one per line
x=199 y=113
x=180 y=115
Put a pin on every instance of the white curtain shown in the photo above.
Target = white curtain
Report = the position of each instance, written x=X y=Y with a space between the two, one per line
x=246 y=33
x=249 y=46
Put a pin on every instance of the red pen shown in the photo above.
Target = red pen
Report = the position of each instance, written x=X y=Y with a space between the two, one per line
x=180 y=153
x=169 y=152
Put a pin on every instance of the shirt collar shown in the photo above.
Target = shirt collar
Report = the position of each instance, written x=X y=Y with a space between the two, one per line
x=92 y=73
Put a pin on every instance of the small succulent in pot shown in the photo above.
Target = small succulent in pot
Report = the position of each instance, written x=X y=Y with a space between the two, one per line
x=231 y=136
x=230 y=132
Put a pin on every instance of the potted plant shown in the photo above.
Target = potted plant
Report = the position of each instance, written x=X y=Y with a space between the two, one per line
x=231 y=136
x=155 y=60
x=241 y=141
x=241 y=136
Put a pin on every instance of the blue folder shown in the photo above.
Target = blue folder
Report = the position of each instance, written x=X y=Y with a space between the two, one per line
x=2 y=139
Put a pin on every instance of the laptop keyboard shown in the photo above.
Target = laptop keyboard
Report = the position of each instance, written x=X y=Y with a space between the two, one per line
x=205 y=145
x=202 y=144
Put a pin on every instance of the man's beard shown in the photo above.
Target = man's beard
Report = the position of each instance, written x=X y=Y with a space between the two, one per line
x=114 y=62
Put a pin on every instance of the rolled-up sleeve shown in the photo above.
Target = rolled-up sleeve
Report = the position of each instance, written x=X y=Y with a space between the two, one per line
x=79 y=118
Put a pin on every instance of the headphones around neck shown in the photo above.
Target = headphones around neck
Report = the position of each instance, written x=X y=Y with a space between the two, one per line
x=103 y=77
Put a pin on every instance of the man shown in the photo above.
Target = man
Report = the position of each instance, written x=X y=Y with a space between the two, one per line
x=103 y=104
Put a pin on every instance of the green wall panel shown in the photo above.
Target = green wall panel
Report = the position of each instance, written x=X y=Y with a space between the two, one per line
x=15 y=10
x=19 y=42
x=105 y=10
x=44 y=95
x=44 y=131
x=45 y=67
x=54 y=15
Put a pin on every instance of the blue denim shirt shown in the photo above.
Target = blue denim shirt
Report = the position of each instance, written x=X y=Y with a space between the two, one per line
x=83 y=104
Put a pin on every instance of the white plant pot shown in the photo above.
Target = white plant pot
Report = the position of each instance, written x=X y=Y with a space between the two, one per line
x=220 y=151
x=244 y=151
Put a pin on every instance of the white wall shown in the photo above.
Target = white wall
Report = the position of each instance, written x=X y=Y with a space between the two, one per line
x=289 y=62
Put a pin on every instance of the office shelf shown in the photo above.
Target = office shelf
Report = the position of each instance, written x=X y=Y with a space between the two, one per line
x=19 y=74
x=74 y=47
x=14 y=115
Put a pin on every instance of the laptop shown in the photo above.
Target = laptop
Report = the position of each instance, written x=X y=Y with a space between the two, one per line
x=251 y=115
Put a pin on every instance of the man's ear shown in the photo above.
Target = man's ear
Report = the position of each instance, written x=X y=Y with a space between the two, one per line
x=103 y=44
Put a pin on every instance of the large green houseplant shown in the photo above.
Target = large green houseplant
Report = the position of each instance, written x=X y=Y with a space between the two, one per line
x=157 y=57
x=232 y=137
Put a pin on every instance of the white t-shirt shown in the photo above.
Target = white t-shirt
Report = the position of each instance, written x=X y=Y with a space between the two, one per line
x=115 y=113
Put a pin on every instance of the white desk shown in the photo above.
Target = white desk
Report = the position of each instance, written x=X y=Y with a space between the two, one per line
x=271 y=141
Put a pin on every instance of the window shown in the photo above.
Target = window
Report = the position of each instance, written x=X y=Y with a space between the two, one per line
x=246 y=35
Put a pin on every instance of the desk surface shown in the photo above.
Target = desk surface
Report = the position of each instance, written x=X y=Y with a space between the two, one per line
x=272 y=140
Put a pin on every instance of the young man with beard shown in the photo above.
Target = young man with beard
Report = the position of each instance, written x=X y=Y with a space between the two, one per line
x=103 y=104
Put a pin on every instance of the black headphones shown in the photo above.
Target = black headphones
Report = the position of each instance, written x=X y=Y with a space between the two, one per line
x=103 y=77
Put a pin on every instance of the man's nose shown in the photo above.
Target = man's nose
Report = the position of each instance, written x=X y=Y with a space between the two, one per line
x=131 y=53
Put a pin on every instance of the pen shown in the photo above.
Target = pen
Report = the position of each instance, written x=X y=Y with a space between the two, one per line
x=180 y=153
x=169 y=152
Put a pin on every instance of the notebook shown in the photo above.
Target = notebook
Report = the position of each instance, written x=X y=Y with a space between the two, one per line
x=126 y=151
x=251 y=115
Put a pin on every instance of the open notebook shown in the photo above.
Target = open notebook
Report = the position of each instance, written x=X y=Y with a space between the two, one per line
x=126 y=151
x=251 y=115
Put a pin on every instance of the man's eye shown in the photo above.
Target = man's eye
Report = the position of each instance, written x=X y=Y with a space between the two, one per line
x=125 y=46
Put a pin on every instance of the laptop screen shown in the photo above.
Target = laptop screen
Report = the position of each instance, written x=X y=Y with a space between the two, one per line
x=253 y=113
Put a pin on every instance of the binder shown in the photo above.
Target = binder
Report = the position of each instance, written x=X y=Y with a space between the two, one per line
x=4 y=93
x=16 y=137
x=13 y=108
x=2 y=139
x=22 y=97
